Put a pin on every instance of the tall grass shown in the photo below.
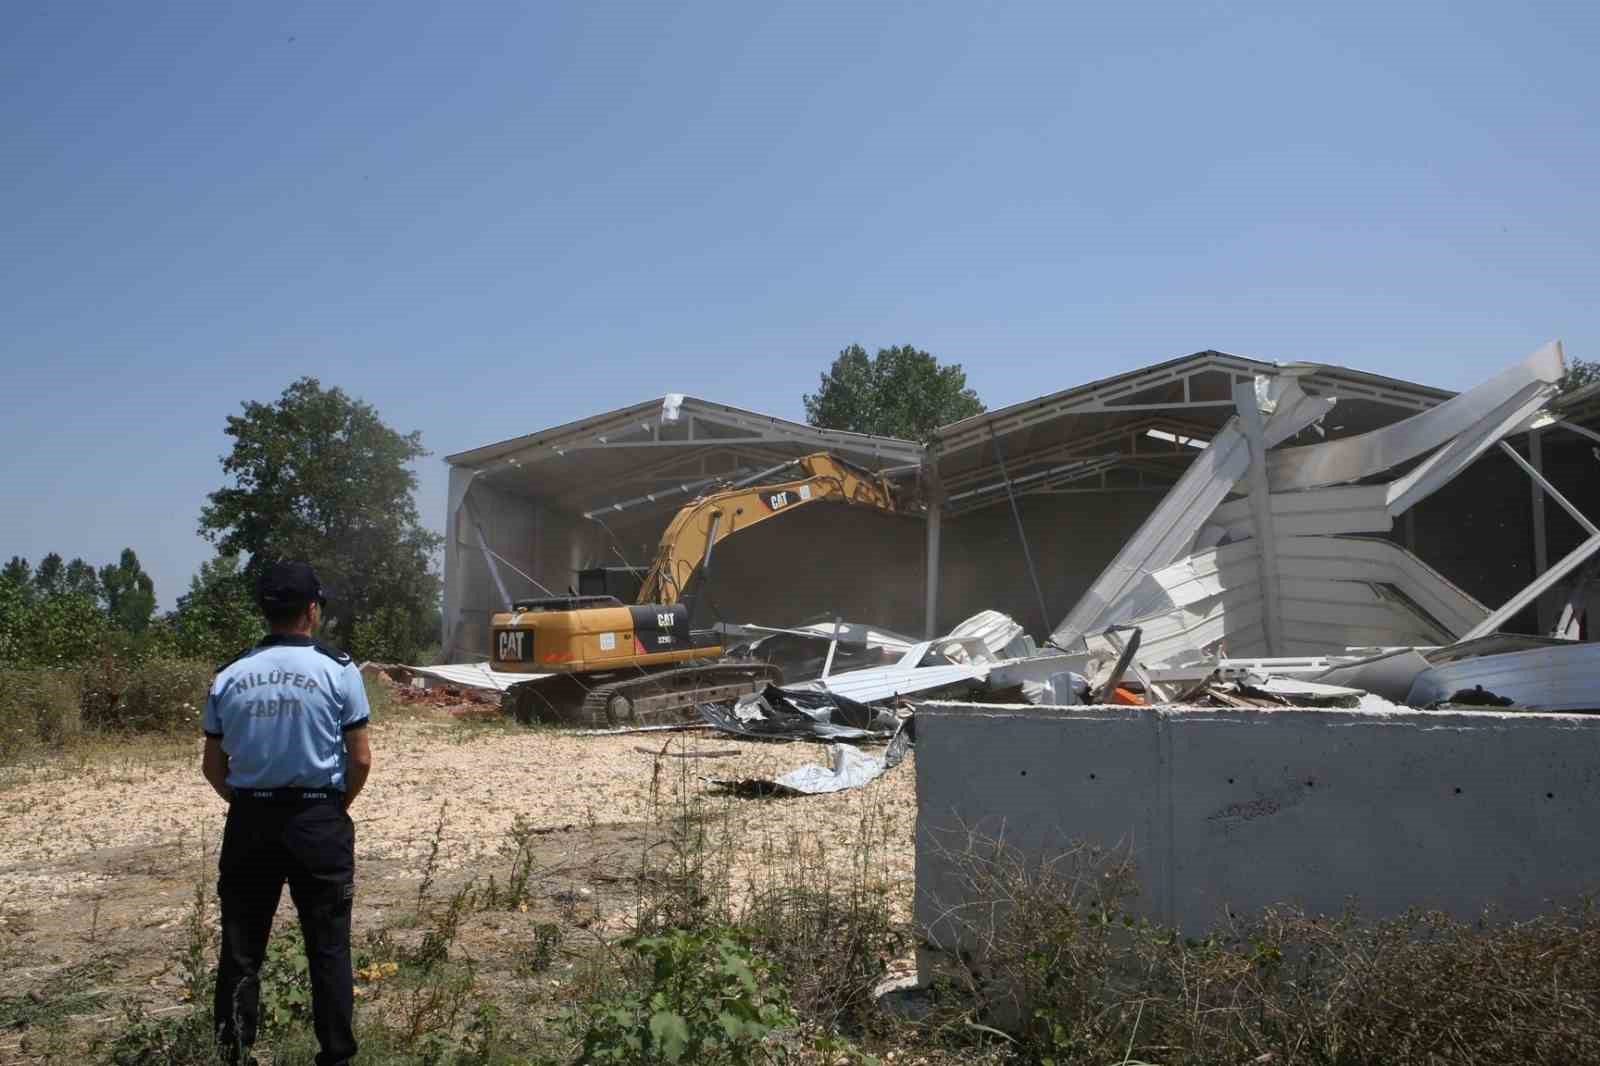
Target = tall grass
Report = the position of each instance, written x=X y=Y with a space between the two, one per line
x=47 y=709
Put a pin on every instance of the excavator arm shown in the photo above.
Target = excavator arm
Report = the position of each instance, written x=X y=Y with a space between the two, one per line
x=691 y=535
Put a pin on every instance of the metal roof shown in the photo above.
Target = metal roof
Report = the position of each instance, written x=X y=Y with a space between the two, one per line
x=1124 y=431
x=662 y=444
x=1131 y=430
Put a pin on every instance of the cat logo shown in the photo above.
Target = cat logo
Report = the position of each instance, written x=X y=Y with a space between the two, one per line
x=664 y=621
x=511 y=646
x=778 y=500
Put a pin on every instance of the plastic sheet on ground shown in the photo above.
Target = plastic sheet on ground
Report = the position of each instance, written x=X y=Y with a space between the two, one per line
x=847 y=768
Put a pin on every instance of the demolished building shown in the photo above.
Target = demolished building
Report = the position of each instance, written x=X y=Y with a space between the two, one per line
x=1027 y=508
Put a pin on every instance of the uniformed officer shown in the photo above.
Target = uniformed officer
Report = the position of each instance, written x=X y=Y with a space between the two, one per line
x=286 y=747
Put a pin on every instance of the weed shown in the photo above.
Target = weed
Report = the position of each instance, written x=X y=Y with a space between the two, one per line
x=1057 y=954
x=517 y=892
x=69 y=991
x=831 y=937
x=144 y=1039
x=195 y=966
x=704 y=998
x=285 y=981
x=430 y=866
x=537 y=954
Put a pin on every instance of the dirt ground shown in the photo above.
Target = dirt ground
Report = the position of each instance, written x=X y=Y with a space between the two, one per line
x=103 y=854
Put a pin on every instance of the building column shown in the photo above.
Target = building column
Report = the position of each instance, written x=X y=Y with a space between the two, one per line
x=1541 y=549
x=935 y=520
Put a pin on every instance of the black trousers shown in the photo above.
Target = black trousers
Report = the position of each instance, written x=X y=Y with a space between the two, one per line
x=311 y=845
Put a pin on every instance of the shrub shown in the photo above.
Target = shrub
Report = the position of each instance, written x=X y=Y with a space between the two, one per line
x=38 y=709
x=158 y=695
x=1061 y=959
x=51 y=631
x=699 y=998
x=831 y=937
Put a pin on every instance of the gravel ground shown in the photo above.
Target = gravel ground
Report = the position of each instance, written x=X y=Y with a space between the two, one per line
x=59 y=821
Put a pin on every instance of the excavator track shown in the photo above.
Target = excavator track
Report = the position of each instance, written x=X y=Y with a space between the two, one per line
x=653 y=697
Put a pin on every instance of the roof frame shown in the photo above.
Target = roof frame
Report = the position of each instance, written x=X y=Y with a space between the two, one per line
x=1102 y=396
x=639 y=426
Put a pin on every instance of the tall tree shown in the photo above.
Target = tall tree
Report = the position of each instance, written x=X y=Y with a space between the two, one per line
x=900 y=392
x=129 y=592
x=50 y=579
x=81 y=578
x=217 y=617
x=1580 y=372
x=319 y=476
x=18 y=574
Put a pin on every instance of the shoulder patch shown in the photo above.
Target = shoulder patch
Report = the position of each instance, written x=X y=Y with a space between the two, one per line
x=235 y=659
x=333 y=653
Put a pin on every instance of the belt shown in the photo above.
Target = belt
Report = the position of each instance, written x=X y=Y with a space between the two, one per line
x=287 y=795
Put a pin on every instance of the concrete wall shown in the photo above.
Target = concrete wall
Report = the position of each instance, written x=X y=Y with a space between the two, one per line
x=1241 y=809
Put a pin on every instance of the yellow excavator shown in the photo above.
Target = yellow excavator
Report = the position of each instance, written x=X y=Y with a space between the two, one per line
x=606 y=663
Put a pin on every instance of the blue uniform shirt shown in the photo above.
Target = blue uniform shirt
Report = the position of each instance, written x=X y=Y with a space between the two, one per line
x=281 y=710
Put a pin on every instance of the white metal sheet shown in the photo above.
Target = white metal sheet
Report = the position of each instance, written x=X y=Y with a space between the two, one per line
x=1342 y=461
x=1167 y=535
x=1563 y=678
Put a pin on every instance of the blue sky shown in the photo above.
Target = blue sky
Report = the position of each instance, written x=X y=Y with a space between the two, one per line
x=486 y=219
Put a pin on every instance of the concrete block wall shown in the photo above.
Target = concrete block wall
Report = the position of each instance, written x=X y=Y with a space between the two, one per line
x=1242 y=809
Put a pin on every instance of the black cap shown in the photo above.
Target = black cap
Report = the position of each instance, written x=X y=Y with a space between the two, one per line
x=288 y=585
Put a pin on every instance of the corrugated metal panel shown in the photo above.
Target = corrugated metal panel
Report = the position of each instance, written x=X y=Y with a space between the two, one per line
x=995 y=629
x=887 y=682
x=1318 y=512
x=1543 y=679
x=1342 y=461
x=473 y=675
x=1168 y=533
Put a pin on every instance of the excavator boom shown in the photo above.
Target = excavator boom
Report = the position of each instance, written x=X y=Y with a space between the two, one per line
x=689 y=538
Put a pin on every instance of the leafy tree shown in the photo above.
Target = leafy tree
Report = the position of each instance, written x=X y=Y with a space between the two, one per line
x=319 y=476
x=130 y=594
x=900 y=392
x=62 y=629
x=1580 y=372
x=50 y=579
x=17 y=573
x=217 y=618
x=81 y=578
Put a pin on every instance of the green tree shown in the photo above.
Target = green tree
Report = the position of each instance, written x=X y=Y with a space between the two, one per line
x=50 y=579
x=217 y=618
x=900 y=392
x=1580 y=372
x=130 y=594
x=81 y=578
x=18 y=574
x=319 y=476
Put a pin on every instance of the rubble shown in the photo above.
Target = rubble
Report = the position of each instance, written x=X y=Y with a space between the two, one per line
x=1290 y=571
